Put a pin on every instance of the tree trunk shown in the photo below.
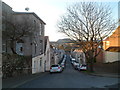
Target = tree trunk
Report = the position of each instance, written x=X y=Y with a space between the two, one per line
x=91 y=65
x=90 y=62
x=12 y=47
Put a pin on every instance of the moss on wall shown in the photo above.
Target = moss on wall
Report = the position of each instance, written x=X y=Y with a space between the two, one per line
x=13 y=64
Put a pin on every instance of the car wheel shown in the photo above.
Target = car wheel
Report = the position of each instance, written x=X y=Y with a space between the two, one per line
x=50 y=72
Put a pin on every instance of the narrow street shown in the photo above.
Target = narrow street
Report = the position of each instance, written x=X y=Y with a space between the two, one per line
x=69 y=78
x=38 y=35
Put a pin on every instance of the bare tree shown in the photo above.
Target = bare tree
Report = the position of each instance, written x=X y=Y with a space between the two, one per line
x=15 y=31
x=88 y=23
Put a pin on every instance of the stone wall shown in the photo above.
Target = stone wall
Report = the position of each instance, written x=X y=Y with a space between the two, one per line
x=15 y=65
x=111 y=56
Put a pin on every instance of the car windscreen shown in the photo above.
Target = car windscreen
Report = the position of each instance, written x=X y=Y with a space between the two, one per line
x=76 y=61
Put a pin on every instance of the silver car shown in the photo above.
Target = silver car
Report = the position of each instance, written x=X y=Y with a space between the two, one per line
x=55 y=68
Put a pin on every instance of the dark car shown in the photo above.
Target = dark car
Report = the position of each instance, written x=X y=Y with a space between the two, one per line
x=82 y=68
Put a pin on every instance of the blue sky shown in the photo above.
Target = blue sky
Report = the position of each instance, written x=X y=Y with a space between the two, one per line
x=51 y=10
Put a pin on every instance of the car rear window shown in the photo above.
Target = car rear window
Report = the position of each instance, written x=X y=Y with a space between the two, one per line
x=83 y=65
x=54 y=66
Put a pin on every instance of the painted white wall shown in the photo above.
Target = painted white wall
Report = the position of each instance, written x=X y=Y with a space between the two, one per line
x=38 y=64
x=57 y=58
x=47 y=56
x=112 y=56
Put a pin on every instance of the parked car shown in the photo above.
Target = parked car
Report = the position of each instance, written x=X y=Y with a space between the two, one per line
x=55 y=68
x=75 y=64
x=64 y=60
x=82 y=68
x=72 y=60
x=65 y=56
x=79 y=66
x=63 y=65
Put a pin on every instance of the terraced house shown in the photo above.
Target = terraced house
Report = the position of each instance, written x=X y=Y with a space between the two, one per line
x=111 y=48
x=7 y=15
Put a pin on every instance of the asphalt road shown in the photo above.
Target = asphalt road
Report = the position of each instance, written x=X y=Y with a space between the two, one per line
x=70 y=78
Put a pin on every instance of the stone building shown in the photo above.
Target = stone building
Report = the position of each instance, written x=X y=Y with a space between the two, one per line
x=33 y=42
x=29 y=44
x=6 y=19
x=30 y=30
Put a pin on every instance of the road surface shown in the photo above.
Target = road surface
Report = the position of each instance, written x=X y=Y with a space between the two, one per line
x=70 y=78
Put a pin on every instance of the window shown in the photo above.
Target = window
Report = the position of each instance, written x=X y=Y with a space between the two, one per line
x=34 y=24
x=3 y=48
x=21 y=49
x=107 y=43
x=40 y=32
x=40 y=29
x=40 y=62
x=35 y=49
x=52 y=57
x=40 y=51
x=34 y=64
x=41 y=41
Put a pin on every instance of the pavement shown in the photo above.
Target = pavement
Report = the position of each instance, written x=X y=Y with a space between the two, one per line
x=113 y=75
x=107 y=75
